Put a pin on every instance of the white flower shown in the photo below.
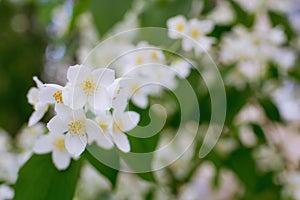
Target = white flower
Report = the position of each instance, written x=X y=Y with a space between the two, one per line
x=52 y=93
x=80 y=130
x=40 y=107
x=198 y=30
x=177 y=24
x=55 y=143
x=28 y=136
x=116 y=125
x=88 y=87
x=6 y=193
x=182 y=68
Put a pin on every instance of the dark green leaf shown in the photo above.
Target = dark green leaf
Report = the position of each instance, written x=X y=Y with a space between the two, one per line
x=270 y=109
x=157 y=12
x=107 y=13
x=102 y=160
x=39 y=179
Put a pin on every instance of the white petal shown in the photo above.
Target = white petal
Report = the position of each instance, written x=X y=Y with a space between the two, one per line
x=127 y=120
x=96 y=134
x=140 y=100
x=46 y=92
x=121 y=141
x=104 y=76
x=57 y=125
x=75 y=145
x=43 y=145
x=77 y=98
x=101 y=100
x=63 y=111
x=77 y=74
x=38 y=114
x=38 y=82
x=32 y=95
x=61 y=159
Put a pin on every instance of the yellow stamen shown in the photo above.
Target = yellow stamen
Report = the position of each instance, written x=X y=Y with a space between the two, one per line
x=77 y=127
x=179 y=27
x=89 y=87
x=195 y=33
x=59 y=144
x=139 y=60
x=58 y=96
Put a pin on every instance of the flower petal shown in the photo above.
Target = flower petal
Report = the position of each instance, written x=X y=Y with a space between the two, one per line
x=96 y=134
x=61 y=159
x=43 y=145
x=121 y=141
x=75 y=145
x=63 y=112
x=104 y=76
x=77 y=98
x=126 y=121
x=101 y=100
x=77 y=74
x=38 y=114
x=57 y=125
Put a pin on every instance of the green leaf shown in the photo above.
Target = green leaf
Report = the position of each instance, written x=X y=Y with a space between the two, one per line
x=102 y=159
x=39 y=179
x=157 y=12
x=259 y=133
x=107 y=13
x=270 y=109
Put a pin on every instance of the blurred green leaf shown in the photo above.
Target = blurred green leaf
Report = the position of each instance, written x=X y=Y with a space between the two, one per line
x=107 y=13
x=270 y=109
x=39 y=179
x=96 y=155
x=157 y=12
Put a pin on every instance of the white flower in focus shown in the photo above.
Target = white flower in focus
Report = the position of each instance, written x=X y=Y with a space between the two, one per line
x=177 y=24
x=80 y=130
x=198 y=30
x=55 y=143
x=6 y=192
x=40 y=107
x=123 y=122
x=88 y=87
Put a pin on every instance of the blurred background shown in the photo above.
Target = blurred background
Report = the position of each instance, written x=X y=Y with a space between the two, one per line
x=260 y=143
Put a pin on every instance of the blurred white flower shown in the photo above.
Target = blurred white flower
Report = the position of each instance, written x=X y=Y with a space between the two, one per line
x=197 y=30
x=223 y=14
x=202 y=185
x=28 y=136
x=291 y=182
x=6 y=192
x=91 y=183
x=176 y=24
x=287 y=99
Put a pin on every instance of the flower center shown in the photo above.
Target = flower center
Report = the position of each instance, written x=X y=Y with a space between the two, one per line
x=104 y=127
x=139 y=60
x=179 y=27
x=58 y=96
x=89 y=87
x=59 y=144
x=77 y=127
x=154 y=56
x=195 y=33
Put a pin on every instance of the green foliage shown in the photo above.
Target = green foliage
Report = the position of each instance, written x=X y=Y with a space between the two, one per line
x=108 y=13
x=157 y=12
x=95 y=155
x=39 y=179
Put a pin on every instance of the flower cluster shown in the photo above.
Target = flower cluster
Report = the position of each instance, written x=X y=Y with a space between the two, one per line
x=193 y=33
x=89 y=108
